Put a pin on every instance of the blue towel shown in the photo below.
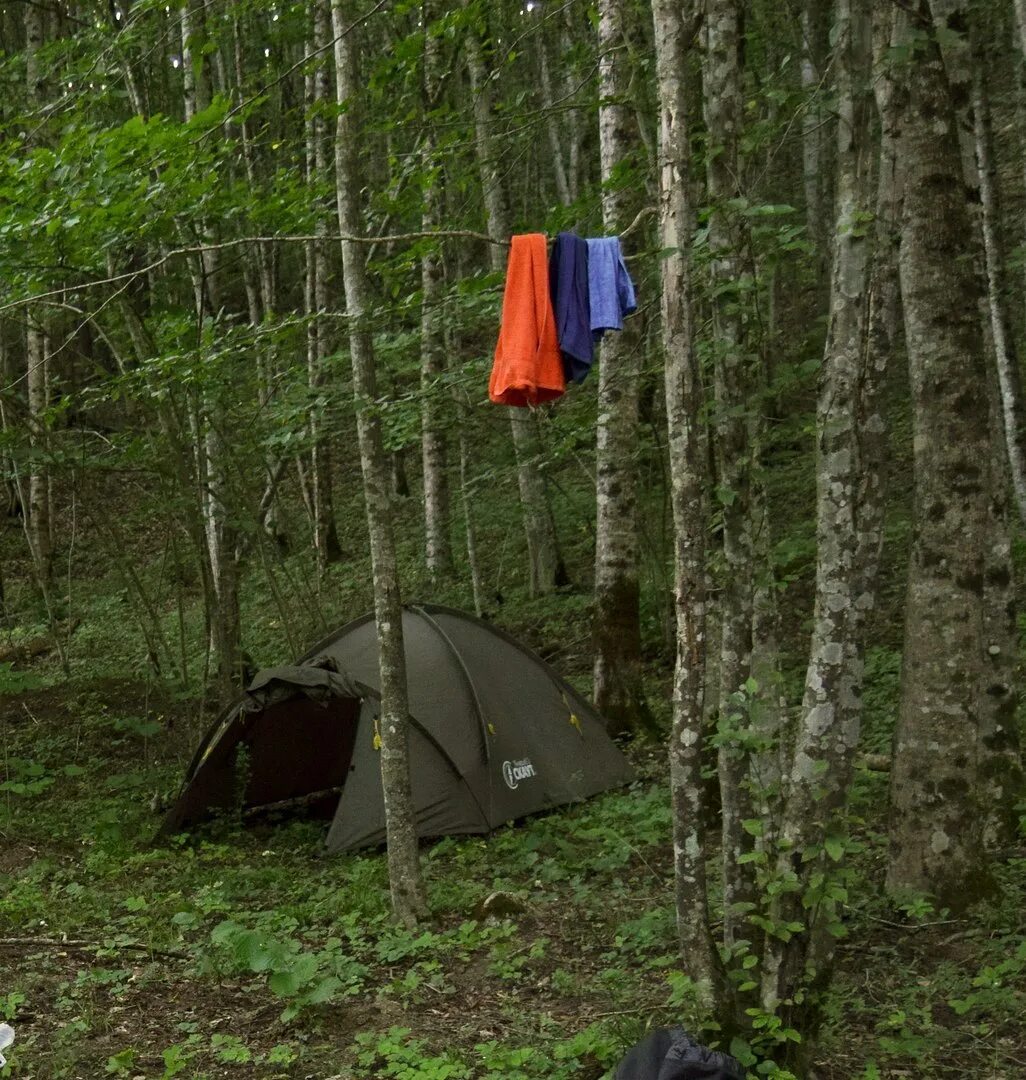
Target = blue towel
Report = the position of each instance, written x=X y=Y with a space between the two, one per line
x=568 y=279
x=610 y=288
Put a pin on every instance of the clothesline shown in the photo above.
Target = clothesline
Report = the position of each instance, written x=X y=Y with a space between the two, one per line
x=224 y=245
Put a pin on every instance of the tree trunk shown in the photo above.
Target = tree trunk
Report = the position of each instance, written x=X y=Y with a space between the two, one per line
x=210 y=416
x=409 y=901
x=827 y=738
x=727 y=248
x=326 y=542
x=553 y=126
x=619 y=689
x=38 y=520
x=936 y=825
x=815 y=169
x=434 y=451
x=542 y=551
x=1020 y=105
x=1000 y=761
x=1013 y=412
x=260 y=286
x=38 y=390
x=473 y=562
x=965 y=60
x=684 y=404
x=34 y=32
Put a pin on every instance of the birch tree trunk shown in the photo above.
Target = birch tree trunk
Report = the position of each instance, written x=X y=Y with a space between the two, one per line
x=321 y=466
x=37 y=379
x=727 y=247
x=209 y=415
x=684 y=404
x=619 y=691
x=260 y=291
x=935 y=828
x=553 y=126
x=473 y=562
x=828 y=733
x=545 y=567
x=409 y=902
x=434 y=450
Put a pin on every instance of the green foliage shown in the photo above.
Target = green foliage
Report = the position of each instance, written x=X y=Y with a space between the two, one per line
x=302 y=978
x=13 y=681
x=397 y=1054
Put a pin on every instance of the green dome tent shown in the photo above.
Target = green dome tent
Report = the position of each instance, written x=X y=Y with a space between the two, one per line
x=495 y=734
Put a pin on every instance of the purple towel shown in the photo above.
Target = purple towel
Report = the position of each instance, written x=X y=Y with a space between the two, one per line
x=568 y=279
x=610 y=288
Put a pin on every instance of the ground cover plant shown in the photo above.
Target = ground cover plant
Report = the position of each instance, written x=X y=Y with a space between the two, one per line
x=246 y=953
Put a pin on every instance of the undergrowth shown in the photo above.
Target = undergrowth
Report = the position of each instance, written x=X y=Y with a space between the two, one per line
x=245 y=952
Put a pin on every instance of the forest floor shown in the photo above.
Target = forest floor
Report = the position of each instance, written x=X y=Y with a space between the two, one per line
x=249 y=954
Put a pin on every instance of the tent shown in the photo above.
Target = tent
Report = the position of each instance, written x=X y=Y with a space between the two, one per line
x=495 y=734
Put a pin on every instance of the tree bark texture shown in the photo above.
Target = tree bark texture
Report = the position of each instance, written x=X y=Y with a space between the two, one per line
x=434 y=451
x=326 y=543
x=260 y=293
x=684 y=401
x=964 y=61
x=722 y=95
x=1001 y=762
x=37 y=381
x=39 y=522
x=34 y=36
x=935 y=826
x=618 y=688
x=828 y=732
x=209 y=416
x=553 y=125
x=409 y=901
x=815 y=144
x=1013 y=411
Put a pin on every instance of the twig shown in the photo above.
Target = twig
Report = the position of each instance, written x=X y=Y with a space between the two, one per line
x=199 y=249
x=912 y=926
x=56 y=943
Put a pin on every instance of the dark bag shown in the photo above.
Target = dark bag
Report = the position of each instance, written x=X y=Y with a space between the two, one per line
x=671 y=1054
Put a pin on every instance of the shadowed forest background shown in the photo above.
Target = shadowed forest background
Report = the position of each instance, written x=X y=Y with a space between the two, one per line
x=251 y=273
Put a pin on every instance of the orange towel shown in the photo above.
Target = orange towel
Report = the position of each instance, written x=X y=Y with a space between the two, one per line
x=527 y=367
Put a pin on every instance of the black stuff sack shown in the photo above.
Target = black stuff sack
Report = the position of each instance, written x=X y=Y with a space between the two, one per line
x=672 y=1054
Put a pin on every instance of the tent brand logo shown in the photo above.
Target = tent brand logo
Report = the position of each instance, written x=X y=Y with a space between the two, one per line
x=515 y=771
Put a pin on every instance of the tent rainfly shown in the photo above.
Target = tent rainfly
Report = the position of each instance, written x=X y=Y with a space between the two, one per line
x=495 y=735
